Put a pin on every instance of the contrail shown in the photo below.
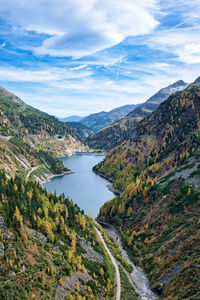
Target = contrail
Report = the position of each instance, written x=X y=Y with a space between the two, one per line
x=117 y=74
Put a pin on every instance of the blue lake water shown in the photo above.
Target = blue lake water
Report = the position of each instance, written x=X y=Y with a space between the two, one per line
x=84 y=187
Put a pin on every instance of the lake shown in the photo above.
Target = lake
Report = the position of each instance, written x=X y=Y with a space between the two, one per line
x=84 y=187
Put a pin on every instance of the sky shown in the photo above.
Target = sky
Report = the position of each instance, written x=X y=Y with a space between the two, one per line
x=69 y=57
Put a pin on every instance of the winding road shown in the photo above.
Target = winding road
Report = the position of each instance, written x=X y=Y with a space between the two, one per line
x=29 y=173
x=114 y=264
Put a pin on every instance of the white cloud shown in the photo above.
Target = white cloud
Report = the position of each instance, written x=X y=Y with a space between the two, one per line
x=78 y=67
x=184 y=43
x=42 y=75
x=78 y=28
x=182 y=40
x=2 y=45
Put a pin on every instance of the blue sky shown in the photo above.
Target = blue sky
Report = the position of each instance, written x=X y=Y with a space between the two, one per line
x=78 y=57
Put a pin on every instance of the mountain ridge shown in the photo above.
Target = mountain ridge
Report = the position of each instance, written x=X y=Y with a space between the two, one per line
x=120 y=130
x=98 y=121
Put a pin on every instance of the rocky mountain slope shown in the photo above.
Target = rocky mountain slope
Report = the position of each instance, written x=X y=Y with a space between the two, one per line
x=32 y=140
x=82 y=130
x=158 y=212
x=102 y=119
x=124 y=127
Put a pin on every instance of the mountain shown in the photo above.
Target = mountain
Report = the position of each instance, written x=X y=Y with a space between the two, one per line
x=157 y=213
x=102 y=119
x=152 y=103
x=124 y=127
x=82 y=130
x=197 y=81
x=8 y=95
x=32 y=141
x=71 y=119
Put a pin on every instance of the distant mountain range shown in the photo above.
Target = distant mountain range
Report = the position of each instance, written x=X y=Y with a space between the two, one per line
x=71 y=119
x=102 y=119
x=124 y=127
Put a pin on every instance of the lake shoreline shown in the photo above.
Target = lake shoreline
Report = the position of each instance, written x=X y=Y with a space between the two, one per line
x=103 y=175
x=110 y=186
x=90 y=153
x=50 y=177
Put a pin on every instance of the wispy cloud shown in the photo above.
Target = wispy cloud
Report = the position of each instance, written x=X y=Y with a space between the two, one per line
x=78 y=30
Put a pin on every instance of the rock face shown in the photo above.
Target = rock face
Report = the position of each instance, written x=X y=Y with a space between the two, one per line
x=2 y=225
x=10 y=96
x=1 y=249
x=70 y=283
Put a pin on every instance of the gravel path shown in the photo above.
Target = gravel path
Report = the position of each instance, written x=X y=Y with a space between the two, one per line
x=29 y=173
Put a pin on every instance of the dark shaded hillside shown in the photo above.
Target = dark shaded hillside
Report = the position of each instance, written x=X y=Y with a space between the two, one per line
x=123 y=128
x=112 y=135
x=103 y=119
x=158 y=213
x=82 y=130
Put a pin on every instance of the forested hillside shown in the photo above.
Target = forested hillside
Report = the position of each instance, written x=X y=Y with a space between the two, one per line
x=48 y=248
x=158 y=213
x=32 y=140
x=82 y=130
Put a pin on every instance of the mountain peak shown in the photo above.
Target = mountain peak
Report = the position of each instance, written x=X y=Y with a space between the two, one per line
x=178 y=83
x=197 y=81
x=10 y=96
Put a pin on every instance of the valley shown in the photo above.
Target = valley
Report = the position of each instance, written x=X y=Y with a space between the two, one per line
x=150 y=249
x=99 y=150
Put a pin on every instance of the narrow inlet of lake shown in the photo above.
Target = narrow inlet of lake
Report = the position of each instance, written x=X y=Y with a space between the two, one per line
x=84 y=187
